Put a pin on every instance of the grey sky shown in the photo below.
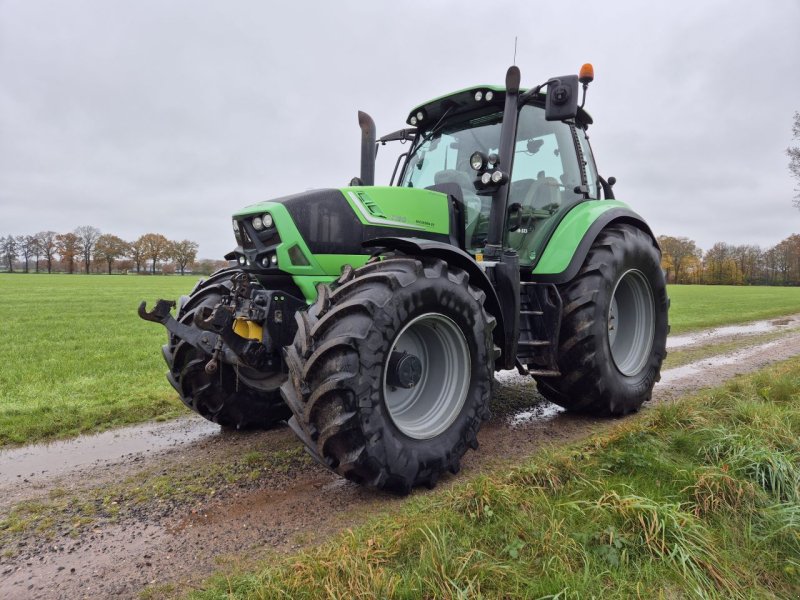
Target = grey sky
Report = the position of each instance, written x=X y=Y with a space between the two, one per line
x=168 y=116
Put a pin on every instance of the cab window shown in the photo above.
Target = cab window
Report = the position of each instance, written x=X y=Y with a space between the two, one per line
x=544 y=180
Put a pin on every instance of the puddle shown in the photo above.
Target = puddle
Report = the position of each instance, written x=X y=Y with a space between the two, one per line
x=59 y=458
x=705 y=364
x=756 y=327
x=541 y=413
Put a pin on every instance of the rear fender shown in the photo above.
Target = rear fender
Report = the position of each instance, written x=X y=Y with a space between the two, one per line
x=568 y=246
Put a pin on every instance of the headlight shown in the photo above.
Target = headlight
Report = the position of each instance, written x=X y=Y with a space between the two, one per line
x=478 y=96
x=498 y=177
x=489 y=95
x=242 y=260
x=476 y=161
x=236 y=226
x=413 y=120
x=267 y=220
x=258 y=224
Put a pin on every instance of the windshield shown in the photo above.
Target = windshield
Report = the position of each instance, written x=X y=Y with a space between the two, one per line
x=444 y=158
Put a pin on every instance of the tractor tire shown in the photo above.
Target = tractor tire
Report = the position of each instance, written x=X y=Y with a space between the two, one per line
x=390 y=373
x=245 y=399
x=613 y=328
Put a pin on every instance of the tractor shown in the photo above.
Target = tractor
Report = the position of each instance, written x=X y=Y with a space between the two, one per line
x=373 y=318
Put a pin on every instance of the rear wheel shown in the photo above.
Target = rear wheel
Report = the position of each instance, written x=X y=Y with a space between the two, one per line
x=235 y=398
x=390 y=374
x=614 y=327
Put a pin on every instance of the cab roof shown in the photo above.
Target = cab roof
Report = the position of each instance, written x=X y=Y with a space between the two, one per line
x=492 y=97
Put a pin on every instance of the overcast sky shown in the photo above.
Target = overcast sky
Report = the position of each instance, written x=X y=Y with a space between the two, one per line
x=169 y=116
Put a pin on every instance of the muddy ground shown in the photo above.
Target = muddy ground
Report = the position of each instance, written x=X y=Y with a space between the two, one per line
x=159 y=507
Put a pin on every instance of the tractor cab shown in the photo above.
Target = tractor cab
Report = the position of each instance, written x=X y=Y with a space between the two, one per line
x=548 y=170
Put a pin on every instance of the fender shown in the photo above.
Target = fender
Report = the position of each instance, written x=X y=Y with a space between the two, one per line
x=568 y=246
x=458 y=258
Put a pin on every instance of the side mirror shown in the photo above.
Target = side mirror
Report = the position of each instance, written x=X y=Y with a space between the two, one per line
x=562 y=98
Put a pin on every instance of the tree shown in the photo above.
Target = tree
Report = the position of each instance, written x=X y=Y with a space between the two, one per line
x=87 y=235
x=109 y=248
x=747 y=259
x=8 y=245
x=793 y=152
x=720 y=266
x=136 y=253
x=36 y=250
x=68 y=247
x=675 y=251
x=25 y=250
x=156 y=248
x=47 y=246
x=184 y=253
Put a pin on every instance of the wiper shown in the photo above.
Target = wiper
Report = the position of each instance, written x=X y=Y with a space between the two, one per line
x=434 y=130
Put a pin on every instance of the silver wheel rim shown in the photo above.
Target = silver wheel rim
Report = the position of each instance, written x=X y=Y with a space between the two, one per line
x=433 y=403
x=631 y=322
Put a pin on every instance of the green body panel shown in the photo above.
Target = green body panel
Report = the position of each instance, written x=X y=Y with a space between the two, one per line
x=573 y=227
x=308 y=285
x=400 y=207
x=322 y=268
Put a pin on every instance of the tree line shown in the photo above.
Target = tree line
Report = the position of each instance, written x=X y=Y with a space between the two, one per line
x=727 y=264
x=89 y=250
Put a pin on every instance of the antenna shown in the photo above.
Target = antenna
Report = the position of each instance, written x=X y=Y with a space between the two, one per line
x=515 y=50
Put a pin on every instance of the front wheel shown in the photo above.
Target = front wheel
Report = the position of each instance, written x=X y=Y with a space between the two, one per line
x=390 y=373
x=614 y=327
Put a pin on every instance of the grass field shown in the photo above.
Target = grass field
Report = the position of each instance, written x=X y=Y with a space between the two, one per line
x=76 y=358
x=701 y=306
x=698 y=498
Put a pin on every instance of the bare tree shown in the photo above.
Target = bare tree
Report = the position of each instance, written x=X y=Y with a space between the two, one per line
x=8 y=245
x=87 y=235
x=25 y=249
x=36 y=250
x=184 y=253
x=109 y=248
x=47 y=246
x=156 y=248
x=793 y=152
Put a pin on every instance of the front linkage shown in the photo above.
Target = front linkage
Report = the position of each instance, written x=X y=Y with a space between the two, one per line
x=233 y=330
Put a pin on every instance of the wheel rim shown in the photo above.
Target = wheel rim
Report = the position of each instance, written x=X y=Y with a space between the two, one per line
x=631 y=322
x=431 y=405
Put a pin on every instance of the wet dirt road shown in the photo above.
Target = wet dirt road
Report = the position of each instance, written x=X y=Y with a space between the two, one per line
x=170 y=543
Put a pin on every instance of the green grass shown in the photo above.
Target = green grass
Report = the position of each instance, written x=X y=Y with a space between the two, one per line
x=75 y=357
x=701 y=306
x=697 y=498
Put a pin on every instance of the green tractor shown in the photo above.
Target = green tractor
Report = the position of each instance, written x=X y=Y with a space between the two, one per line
x=373 y=318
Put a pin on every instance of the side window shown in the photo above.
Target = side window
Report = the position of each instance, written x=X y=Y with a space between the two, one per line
x=545 y=164
x=545 y=175
x=592 y=181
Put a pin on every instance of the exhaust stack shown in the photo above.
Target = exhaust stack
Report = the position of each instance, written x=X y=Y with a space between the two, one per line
x=367 y=126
